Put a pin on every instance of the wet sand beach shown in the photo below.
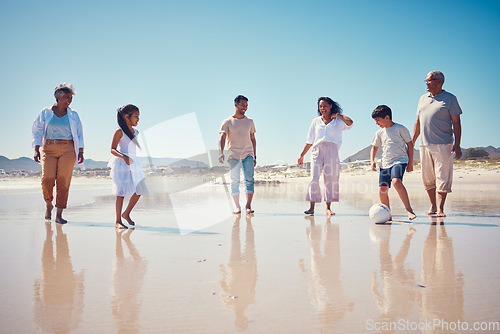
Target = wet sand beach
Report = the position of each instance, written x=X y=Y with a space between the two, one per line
x=276 y=271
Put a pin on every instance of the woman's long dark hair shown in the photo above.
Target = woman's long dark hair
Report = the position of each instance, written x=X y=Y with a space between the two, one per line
x=128 y=109
x=336 y=109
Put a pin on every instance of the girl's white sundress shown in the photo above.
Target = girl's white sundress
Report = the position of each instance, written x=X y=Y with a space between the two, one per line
x=127 y=179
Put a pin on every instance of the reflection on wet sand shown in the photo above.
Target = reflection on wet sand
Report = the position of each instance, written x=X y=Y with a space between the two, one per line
x=395 y=293
x=58 y=294
x=442 y=292
x=324 y=284
x=239 y=280
x=128 y=276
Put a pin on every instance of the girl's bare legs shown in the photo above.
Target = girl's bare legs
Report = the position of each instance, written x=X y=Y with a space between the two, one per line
x=311 y=209
x=126 y=214
x=119 y=206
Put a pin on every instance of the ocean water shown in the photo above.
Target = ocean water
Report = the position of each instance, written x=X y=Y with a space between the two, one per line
x=190 y=266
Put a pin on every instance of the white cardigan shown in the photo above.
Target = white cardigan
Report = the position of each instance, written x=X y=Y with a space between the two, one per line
x=40 y=124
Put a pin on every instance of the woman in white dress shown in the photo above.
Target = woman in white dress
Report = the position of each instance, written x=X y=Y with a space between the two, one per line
x=325 y=138
x=126 y=170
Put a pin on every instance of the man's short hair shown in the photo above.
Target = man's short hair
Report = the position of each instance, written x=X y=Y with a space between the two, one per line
x=382 y=111
x=437 y=75
x=239 y=98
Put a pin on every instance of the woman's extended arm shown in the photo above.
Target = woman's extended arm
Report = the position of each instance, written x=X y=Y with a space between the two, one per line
x=304 y=151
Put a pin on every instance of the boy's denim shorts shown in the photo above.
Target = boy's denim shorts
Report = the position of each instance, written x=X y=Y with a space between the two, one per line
x=387 y=174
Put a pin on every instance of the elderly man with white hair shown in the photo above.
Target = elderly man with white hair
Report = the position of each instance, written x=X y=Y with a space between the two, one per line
x=438 y=121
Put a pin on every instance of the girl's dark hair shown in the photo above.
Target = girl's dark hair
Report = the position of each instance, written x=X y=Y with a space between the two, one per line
x=336 y=109
x=127 y=109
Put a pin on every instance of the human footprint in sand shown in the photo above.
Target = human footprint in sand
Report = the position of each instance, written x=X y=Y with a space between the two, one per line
x=126 y=171
x=239 y=130
x=325 y=138
x=397 y=156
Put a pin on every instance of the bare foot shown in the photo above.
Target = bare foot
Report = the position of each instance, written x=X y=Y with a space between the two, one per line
x=249 y=210
x=237 y=212
x=440 y=214
x=48 y=212
x=411 y=215
x=128 y=219
x=61 y=220
x=411 y=231
x=119 y=225
x=330 y=213
x=309 y=212
x=432 y=211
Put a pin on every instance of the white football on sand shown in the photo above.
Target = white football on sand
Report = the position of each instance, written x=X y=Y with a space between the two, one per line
x=379 y=213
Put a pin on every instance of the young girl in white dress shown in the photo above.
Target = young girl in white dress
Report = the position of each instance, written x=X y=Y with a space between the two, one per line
x=126 y=170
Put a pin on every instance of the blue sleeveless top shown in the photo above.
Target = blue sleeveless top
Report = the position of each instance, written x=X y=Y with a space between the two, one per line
x=59 y=128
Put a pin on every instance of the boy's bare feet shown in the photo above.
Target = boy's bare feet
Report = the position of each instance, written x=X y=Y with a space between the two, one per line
x=411 y=215
x=329 y=213
x=237 y=211
x=309 y=212
x=48 y=212
x=128 y=219
x=119 y=225
x=249 y=210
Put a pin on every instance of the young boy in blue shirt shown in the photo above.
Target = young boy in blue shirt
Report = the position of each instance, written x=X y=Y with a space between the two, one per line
x=397 y=155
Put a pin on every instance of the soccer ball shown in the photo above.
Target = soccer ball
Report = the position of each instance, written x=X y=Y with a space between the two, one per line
x=379 y=213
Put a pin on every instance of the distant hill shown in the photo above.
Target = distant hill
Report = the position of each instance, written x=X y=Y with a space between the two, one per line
x=28 y=164
x=25 y=164
x=493 y=152
x=364 y=154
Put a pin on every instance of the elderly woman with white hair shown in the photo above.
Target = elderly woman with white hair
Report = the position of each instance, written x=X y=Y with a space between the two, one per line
x=59 y=131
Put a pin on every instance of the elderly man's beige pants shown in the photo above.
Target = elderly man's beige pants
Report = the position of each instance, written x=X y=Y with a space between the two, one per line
x=437 y=167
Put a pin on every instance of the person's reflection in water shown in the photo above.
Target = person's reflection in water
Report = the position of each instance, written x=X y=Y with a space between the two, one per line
x=127 y=282
x=58 y=294
x=239 y=280
x=324 y=284
x=442 y=289
x=395 y=293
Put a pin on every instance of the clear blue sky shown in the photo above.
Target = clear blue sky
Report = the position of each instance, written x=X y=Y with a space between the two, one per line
x=171 y=58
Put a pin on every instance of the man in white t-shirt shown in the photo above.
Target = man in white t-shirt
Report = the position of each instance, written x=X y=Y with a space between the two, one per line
x=438 y=120
x=397 y=156
x=239 y=131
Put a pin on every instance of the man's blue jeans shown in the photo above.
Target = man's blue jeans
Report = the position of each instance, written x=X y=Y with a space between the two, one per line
x=248 y=168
